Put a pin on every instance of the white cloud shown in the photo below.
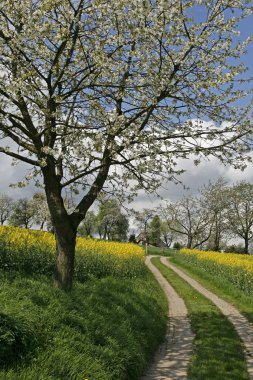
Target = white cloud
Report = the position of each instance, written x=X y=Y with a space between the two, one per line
x=193 y=178
x=12 y=174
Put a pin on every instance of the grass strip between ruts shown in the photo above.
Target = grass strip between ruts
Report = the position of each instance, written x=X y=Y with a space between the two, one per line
x=217 y=351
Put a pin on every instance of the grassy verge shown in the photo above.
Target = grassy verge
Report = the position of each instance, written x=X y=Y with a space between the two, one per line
x=160 y=251
x=219 y=285
x=218 y=352
x=100 y=330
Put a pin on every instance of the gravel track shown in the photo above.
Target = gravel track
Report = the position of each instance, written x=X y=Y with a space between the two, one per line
x=243 y=327
x=172 y=359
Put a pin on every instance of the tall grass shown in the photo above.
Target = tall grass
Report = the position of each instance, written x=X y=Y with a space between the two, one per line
x=101 y=330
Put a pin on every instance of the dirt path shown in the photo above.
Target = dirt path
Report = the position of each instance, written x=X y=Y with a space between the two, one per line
x=172 y=359
x=241 y=324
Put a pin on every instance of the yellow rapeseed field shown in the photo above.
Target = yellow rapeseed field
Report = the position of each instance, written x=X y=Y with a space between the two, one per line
x=21 y=239
x=111 y=247
x=236 y=268
x=231 y=260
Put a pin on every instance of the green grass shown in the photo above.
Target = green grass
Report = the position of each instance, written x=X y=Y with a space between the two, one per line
x=160 y=251
x=103 y=329
x=219 y=285
x=217 y=352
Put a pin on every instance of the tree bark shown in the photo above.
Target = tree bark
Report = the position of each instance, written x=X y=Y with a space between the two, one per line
x=246 y=245
x=189 y=242
x=65 y=236
x=217 y=235
x=65 y=231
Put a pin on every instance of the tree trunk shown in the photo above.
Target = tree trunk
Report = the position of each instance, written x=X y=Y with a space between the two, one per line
x=246 y=245
x=65 y=249
x=65 y=226
x=217 y=237
x=216 y=247
x=189 y=242
x=65 y=230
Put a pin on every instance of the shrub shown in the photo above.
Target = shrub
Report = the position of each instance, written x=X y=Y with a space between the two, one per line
x=177 y=245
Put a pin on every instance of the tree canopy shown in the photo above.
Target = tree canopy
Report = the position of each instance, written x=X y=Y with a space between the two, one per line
x=86 y=86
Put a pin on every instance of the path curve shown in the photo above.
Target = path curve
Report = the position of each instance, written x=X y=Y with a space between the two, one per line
x=172 y=359
x=243 y=327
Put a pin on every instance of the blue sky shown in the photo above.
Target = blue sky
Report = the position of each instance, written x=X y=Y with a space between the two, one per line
x=246 y=30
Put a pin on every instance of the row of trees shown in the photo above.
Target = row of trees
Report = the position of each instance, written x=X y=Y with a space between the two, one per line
x=25 y=212
x=218 y=213
x=108 y=223
x=209 y=220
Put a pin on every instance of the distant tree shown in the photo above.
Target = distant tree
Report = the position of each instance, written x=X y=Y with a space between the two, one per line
x=215 y=201
x=189 y=219
x=155 y=231
x=88 y=225
x=22 y=214
x=41 y=214
x=240 y=212
x=6 y=206
x=167 y=234
x=143 y=219
x=132 y=238
x=108 y=209
x=112 y=224
x=120 y=228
